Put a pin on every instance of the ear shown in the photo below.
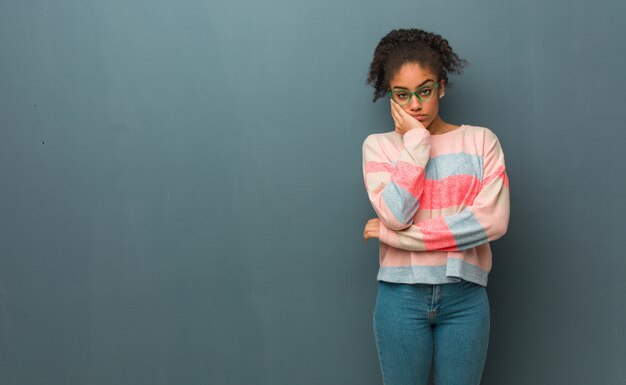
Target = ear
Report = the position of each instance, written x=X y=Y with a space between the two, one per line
x=442 y=88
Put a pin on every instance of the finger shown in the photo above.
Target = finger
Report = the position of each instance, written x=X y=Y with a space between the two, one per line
x=395 y=120
x=400 y=115
x=396 y=116
x=395 y=108
x=407 y=118
x=392 y=106
x=403 y=113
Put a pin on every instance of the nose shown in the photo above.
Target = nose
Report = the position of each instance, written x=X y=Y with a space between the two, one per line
x=415 y=104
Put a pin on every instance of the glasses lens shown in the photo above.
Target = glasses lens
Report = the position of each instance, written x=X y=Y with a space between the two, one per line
x=401 y=97
x=426 y=92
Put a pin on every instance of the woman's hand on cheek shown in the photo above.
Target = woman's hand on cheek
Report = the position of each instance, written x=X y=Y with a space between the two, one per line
x=403 y=121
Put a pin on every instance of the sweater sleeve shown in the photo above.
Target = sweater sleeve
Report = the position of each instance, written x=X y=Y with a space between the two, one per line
x=394 y=188
x=485 y=220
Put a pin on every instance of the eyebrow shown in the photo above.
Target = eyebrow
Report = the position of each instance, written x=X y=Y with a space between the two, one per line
x=421 y=84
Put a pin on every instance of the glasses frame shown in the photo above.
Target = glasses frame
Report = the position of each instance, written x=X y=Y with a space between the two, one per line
x=411 y=93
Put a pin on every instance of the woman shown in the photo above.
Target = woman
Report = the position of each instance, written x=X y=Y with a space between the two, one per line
x=441 y=195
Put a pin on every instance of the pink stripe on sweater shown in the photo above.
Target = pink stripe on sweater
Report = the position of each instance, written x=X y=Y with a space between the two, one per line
x=437 y=235
x=410 y=177
x=455 y=190
x=498 y=173
x=378 y=167
x=505 y=178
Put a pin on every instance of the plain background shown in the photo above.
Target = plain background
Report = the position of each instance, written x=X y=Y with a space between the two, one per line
x=181 y=197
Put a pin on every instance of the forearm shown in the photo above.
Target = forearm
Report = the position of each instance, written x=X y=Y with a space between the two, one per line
x=484 y=221
x=394 y=188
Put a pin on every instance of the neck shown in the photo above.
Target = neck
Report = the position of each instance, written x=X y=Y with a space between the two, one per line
x=437 y=126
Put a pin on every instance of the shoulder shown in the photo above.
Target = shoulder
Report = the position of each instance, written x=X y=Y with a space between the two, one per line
x=480 y=131
x=379 y=139
x=483 y=135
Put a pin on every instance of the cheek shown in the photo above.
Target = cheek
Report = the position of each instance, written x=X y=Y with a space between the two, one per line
x=433 y=107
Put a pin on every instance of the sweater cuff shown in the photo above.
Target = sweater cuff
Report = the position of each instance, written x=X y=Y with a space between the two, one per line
x=415 y=135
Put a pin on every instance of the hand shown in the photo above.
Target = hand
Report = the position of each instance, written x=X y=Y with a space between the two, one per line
x=372 y=229
x=404 y=122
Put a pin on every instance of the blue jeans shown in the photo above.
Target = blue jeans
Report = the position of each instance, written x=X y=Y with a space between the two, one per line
x=416 y=325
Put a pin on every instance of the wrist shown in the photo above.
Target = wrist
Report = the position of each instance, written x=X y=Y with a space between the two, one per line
x=416 y=135
x=383 y=232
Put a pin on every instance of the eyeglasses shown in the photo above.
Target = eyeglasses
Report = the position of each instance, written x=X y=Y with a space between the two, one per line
x=423 y=93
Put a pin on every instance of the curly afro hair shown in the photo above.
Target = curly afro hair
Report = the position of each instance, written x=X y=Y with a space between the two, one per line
x=402 y=46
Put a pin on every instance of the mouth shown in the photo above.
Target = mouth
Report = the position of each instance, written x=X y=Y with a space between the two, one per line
x=420 y=117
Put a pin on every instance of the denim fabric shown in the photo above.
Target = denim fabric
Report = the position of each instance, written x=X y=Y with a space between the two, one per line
x=419 y=325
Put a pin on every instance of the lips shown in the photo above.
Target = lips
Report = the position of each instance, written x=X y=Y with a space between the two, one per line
x=419 y=117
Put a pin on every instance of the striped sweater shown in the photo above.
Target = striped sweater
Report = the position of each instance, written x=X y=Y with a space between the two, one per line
x=441 y=199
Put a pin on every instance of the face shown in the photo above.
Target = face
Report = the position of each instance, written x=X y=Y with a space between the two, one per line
x=410 y=77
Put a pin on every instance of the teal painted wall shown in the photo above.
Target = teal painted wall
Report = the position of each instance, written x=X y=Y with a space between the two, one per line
x=181 y=198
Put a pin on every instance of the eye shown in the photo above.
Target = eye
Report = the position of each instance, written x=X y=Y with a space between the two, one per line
x=402 y=95
x=426 y=91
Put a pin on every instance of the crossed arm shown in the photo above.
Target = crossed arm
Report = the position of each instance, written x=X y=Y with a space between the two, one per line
x=485 y=220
